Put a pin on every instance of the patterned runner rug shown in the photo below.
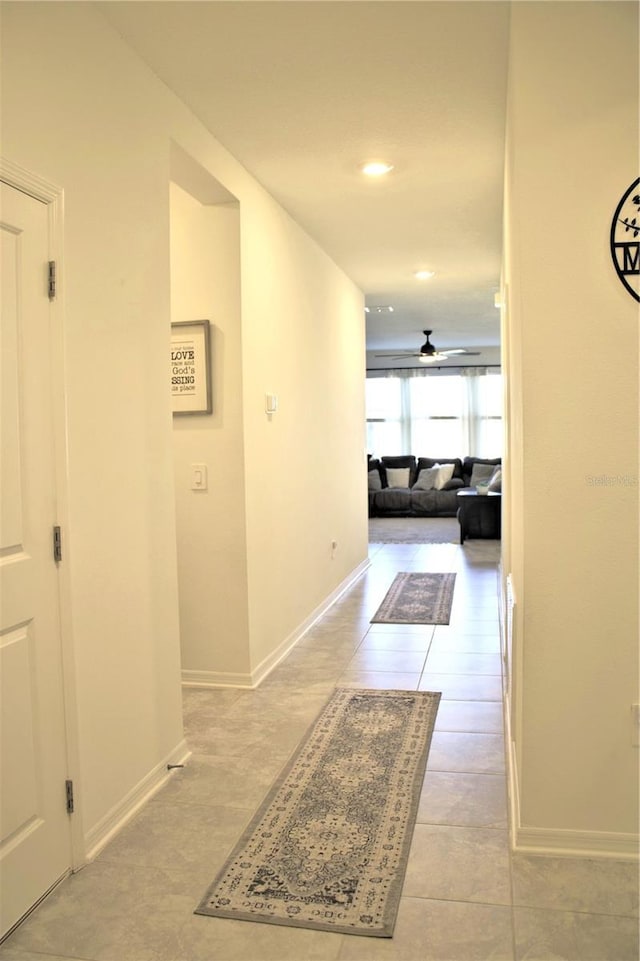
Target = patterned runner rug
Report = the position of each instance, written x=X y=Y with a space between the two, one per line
x=329 y=845
x=417 y=599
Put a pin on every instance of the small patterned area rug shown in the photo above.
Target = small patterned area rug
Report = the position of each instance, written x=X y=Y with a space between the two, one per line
x=414 y=530
x=329 y=845
x=417 y=599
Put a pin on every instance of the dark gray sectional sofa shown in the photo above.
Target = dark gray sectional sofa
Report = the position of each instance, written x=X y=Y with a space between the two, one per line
x=410 y=486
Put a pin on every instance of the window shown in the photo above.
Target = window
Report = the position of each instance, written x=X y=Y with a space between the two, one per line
x=490 y=414
x=435 y=413
x=384 y=414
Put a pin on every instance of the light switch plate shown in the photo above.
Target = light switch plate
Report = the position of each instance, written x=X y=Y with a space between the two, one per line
x=271 y=403
x=198 y=477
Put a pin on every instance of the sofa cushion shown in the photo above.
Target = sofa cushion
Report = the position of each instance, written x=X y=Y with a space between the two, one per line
x=433 y=502
x=398 y=476
x=468 y=464
x=427 y=478
x=375 y=482
x=432 y=461
x=495 y=484
x=392 y=499
x=406 y=460
x=481 y=473
x=445 y=474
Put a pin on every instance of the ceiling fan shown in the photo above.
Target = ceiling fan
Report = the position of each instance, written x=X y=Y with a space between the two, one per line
x=428 y=353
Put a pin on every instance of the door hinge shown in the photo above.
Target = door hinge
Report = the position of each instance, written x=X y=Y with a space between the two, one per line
x=51 y=280
x=57 y=544
x=68 y=785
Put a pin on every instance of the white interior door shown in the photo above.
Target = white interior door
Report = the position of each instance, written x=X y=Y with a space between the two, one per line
x=34 y=824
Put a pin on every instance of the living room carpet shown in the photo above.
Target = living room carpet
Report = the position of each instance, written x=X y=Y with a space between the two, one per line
x=417 y=599
x=414 y=530
x=329 y=845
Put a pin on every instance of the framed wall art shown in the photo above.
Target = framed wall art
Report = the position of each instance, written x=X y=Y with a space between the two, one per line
x=190 y=368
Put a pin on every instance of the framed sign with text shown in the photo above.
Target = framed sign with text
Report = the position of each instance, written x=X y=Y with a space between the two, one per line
x=190 y=368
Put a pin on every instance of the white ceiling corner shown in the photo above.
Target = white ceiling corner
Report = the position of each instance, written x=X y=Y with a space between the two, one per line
x=302 y=91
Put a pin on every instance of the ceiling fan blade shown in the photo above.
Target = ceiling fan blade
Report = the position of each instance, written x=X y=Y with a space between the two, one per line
x=461 y=350
x=446 y=354
x=395 y=355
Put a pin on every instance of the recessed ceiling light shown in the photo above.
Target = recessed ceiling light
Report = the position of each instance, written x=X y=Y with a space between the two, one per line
x=424 y=274
x=376 y=168
x=386 y=309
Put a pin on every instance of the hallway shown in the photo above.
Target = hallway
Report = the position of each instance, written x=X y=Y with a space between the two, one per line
x=465 y=896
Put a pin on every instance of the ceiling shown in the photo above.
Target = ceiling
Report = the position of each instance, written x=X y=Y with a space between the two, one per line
x=301 y=92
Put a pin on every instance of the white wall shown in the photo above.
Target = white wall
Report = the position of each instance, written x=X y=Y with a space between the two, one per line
x=572 y=347
x=68 y=114
x=303 y=339
x=82 y=111
x=211 y=527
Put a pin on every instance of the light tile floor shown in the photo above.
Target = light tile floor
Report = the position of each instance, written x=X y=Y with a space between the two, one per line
x=465 y=896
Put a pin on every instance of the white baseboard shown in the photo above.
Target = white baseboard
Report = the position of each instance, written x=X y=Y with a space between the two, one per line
x=273 y=659
x=215 y=679
x=253 y=679
x=119 y=815
x=559 y=842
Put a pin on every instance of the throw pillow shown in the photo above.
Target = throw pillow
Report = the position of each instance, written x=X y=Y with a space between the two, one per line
x=426 y=479
x=495 y=484
x=455 y=484
x=375 y=484
x=481 y=474
x=445 y=473
x=398 y=476
x=432 y=461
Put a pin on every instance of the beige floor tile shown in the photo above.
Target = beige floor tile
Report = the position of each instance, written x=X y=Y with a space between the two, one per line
x=222 y=781
x=136 y=901
x=603 y=938
x=576 y=884
x=407 y=662
x=222 y=738
x=566 y=936
x=466 y=643
x=476 y=717
x=466 y=800
x=286 y=681
x=546 y=936
x=197 y=701
x=107 y=913
x=468 y=624
x=7 y=953
x=459 y=864
x=387 y=641
x=459 y=662
x=463 y=687
x=336 y=639
x=312 y=659
x=197 y=841
x=223 y=939
x=468 y=753
x=428 y=930
x=423 y=630
x=379 y=681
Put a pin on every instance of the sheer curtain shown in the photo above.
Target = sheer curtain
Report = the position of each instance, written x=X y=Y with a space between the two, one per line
x=452 y=412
